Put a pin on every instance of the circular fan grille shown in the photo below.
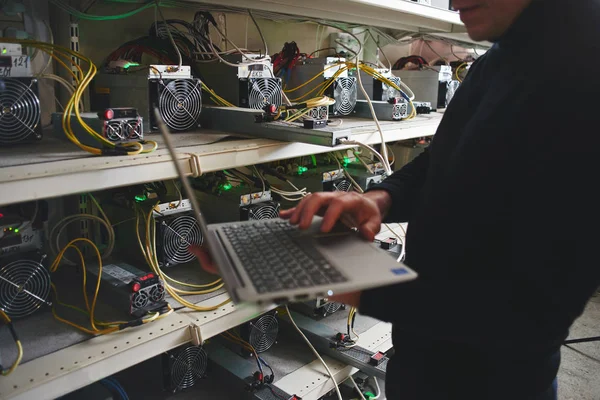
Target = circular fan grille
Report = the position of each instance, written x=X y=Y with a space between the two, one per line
x=157 y=293
x=400 y=111
x=140 y=300
x=342 y=186
x=179 y=234
x=266 y=211
x=19 y=110
x=189 y=366
x=24 y=287
x=180 y=103
x=133 y=129
x=263 y=332
x=330 y=308
x=390 y=92
x=452 y=88
x=114 y=131
x=344 y=94
x=264 y=91
x=320 y=112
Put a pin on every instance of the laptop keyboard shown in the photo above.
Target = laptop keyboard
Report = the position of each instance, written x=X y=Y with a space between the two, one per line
x=275 y=261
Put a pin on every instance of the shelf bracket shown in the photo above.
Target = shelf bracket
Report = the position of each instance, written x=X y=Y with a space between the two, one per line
x=195 y=165
x=196 y=335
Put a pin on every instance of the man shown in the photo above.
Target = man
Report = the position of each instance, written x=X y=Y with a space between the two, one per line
x=502 y=208
x=502 y=211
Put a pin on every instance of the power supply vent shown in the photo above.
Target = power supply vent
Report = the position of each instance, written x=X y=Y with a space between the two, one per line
x=185 y=367
x=321 y=112
x=24 y=287
x=19 y=110
x=180 y=103
x=344 y=93
x=264 y=91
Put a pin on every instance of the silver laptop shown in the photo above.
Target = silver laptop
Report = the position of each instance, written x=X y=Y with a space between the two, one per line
x=272 y=261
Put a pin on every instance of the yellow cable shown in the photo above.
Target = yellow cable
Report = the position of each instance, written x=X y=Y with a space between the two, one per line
x=17 y=361
x=130 y=148
x=457 y=71
x=151 y=257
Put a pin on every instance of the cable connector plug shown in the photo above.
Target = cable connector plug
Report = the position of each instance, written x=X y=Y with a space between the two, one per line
x=131 y=324
x=114 y=151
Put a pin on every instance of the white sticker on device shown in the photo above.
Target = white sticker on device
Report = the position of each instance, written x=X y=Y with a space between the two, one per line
x=118 y=273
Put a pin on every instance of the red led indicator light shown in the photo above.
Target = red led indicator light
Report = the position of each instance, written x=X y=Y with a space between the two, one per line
x=136 y=287
x=109 y=114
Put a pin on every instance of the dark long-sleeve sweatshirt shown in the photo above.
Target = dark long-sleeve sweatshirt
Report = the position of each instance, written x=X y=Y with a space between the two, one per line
x=503 y=207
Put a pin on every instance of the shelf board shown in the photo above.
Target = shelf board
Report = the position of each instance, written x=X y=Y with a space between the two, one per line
x=394 y=14
x=55 y=168
x=76 y=366
x=312 y=380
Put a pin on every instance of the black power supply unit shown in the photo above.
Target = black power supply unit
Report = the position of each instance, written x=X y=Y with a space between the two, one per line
x=128 y=289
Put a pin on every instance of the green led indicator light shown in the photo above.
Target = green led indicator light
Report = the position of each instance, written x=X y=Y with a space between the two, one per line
x=130 y=64
x=17 y=230
x=302 y=170
x=141 y=198
x=4 y=51
x=346 y=161
x=226 y=186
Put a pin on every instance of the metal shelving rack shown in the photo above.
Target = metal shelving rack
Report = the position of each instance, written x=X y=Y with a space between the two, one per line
x=55 y=168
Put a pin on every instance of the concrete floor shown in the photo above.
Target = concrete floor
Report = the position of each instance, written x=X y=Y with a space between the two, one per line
x=579 y=375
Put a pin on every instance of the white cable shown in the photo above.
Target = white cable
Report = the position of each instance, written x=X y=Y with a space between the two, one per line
x=378 y=395
x=386 y=165
x=170 y=35
x=260 y=33
x=384 y=161
x=64 y=83
x=407 y=90
x=362 y=396
x=315 y=352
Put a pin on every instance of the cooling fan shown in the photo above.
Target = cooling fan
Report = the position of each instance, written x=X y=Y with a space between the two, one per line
x=323 y=307
x=264 y=210
x=24 y=286
x=344 y=94
x=342 y=185
x=182 y=368
x=335 y=181
x=261 y=92
x=179 y=102
x=389 y=92
x=176 y=234
x=19 y=110
x=261 y=332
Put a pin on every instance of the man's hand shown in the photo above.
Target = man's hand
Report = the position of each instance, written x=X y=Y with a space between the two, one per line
x=363 y=211
x=204 y=258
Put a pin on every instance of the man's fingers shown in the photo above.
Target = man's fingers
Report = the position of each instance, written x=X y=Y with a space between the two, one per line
x=332 y=215
x=295 y=217
x=312 y=207
x=286 y=214
x=370 y=228
x=205 y=260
